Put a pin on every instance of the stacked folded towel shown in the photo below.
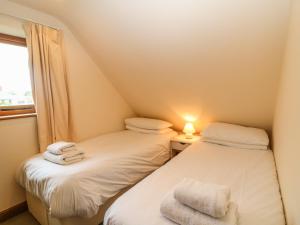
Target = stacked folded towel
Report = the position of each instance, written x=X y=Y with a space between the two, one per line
x=196 y=203
x=63 y=153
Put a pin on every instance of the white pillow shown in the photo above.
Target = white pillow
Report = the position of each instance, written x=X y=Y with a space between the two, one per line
x=236 y=145
x=145 y=123
x=236 y=134
x=147 y=131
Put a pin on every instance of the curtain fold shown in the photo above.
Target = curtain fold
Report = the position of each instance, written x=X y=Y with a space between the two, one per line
x=49 y=83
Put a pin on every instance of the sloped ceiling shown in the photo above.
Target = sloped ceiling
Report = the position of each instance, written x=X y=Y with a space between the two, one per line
x=214 y=59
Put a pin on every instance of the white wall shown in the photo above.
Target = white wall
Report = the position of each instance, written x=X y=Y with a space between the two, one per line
x=287 y=122
x=96 y=106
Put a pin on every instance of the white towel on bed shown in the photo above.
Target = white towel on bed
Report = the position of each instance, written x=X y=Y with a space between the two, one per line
x=61 y=159
x=67 y=155
x=60 y=147
x=184 y=215
x=211 y=199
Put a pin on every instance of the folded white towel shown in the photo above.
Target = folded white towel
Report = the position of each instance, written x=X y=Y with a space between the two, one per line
x=211 y=199
x=235 y=145
x=184 y=215
x=61 y=159
x=60 y=147
x=62 y=151
x=67 y=155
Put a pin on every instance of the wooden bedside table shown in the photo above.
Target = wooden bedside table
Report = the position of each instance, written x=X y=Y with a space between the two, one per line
x=180 y=142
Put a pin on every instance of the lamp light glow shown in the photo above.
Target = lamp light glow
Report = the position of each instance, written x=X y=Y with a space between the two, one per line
x=190 y=118
x=189 y=130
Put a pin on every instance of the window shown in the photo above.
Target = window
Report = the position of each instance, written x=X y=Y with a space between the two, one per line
x=15 y=85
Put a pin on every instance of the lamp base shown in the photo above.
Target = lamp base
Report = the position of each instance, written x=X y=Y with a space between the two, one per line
x=189 y=136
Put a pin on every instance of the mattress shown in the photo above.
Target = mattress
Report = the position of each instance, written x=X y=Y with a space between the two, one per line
x=113 y=162
x=250 y=174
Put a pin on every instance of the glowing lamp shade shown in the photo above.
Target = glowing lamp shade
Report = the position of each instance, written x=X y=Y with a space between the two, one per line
x=189 y=130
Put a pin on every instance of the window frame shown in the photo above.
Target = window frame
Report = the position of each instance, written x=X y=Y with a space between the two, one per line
x=15 y=111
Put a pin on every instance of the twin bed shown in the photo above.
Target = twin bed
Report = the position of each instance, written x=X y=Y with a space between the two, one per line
x=250 y=174
x=81 y=193
x=59 y=194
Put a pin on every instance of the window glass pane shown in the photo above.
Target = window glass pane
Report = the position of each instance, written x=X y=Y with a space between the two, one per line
x=15 y=84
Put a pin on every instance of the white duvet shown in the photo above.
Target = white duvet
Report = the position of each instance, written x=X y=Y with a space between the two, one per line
x=113 y=162
x=250 y=174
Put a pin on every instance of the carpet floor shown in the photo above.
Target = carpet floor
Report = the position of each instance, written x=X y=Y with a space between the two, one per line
x=22 y=219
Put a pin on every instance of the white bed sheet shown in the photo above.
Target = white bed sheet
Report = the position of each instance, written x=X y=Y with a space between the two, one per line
x=113 y=162
x=250 y=174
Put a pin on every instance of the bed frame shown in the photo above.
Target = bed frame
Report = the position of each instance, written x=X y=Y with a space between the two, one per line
x=41 y=212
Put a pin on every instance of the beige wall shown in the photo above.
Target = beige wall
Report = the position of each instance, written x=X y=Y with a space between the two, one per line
x=287 y=122
x=95 y=104
x=218 y=60
x=18 y=141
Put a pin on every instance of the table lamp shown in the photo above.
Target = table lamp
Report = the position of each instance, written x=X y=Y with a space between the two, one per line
x=189 y=130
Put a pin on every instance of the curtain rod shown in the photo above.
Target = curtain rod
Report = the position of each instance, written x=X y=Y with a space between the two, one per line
x=30 y=20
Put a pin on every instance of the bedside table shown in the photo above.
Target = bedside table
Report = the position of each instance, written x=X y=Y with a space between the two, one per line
x=180 y=142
